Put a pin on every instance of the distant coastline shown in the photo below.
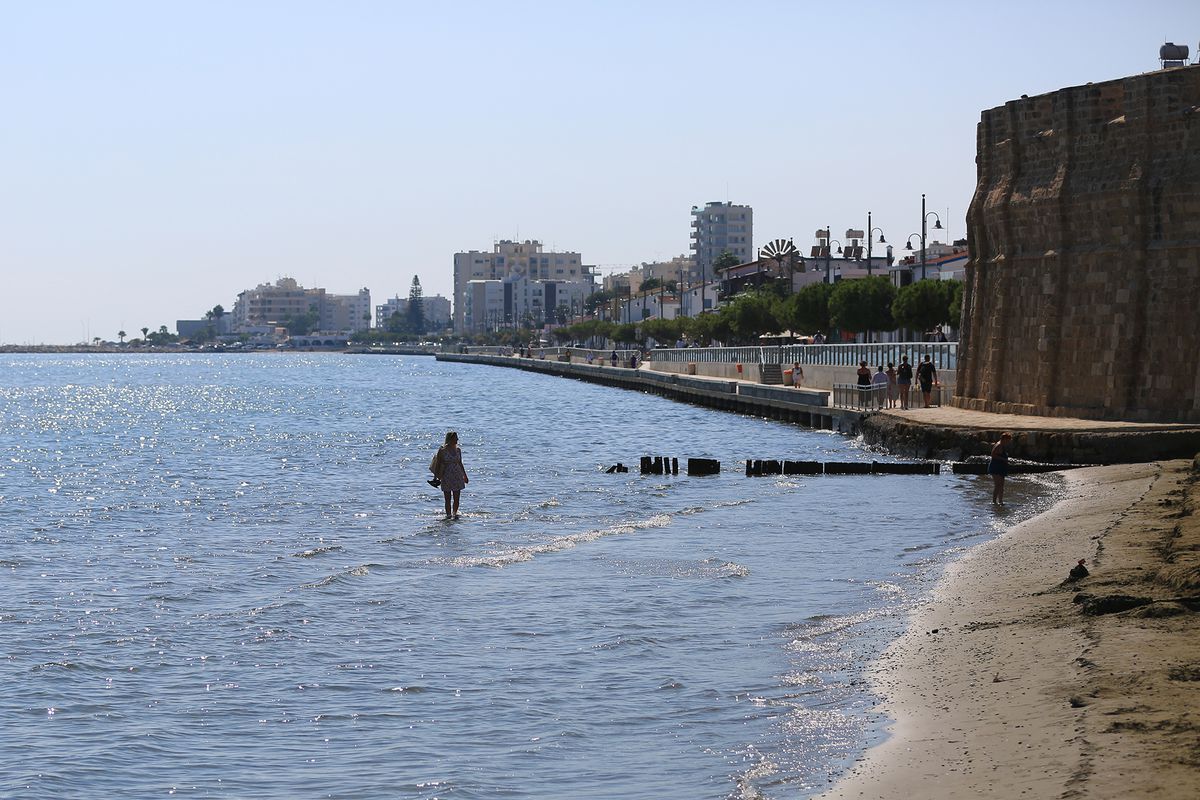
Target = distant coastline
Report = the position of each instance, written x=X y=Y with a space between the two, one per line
x=83 y=349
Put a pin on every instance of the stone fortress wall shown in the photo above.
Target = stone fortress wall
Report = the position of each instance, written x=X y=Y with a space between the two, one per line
x=1082 y=296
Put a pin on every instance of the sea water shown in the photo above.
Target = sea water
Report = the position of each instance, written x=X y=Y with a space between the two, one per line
x=226 y=576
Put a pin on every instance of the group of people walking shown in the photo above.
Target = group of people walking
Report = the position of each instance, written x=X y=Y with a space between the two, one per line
x=889 y=387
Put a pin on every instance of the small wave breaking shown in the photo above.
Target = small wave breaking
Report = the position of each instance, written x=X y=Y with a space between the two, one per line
x=517 y=555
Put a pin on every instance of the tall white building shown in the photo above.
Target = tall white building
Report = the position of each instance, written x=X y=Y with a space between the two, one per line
x=720 y=227
x=558 y=272
x=516 y=301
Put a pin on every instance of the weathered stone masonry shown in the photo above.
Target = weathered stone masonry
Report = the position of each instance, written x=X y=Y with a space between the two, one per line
x=1083 y=290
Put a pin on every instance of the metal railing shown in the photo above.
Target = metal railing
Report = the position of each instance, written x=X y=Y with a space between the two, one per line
x=875 y=397
x=944 y=355
x=860 y=398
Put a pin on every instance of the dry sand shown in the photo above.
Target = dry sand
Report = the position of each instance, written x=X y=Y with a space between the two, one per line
x=1004 y=688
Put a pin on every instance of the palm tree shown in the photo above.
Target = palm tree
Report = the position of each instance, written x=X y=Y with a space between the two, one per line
x=145 y=333
x=121 y=335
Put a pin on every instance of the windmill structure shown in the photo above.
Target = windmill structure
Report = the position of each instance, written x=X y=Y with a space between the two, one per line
x=781 y=250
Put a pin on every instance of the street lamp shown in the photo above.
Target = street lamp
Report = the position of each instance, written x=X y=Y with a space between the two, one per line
x=870 y=233
x=828 y=254
x=937 y=225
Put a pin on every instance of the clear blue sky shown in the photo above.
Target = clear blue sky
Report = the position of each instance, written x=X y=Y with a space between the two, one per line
x=160 y=157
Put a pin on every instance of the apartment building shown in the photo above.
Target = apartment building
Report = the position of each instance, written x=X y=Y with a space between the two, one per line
x=516 y=301
x=269 y=304
x=508 y=259
x=720 y=227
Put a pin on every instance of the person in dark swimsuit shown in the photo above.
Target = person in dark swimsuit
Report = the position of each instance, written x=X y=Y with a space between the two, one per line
x=998 y=467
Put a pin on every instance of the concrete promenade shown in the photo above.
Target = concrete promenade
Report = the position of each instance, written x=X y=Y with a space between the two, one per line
x=943 y=432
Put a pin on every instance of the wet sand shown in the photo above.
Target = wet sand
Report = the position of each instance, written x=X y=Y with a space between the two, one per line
x=1004 y=687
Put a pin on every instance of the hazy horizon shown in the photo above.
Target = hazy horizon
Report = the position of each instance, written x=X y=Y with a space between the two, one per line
x=163 y=158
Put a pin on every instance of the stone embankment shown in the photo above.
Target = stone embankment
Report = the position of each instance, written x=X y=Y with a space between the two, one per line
x=944 y=433
x=808 y=407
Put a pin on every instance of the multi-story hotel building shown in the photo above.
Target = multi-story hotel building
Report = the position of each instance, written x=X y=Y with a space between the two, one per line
x=548 y=278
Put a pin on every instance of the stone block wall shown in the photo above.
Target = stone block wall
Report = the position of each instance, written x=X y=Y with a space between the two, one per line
x=1082 y=296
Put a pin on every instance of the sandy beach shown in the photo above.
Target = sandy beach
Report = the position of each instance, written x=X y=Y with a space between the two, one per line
x=1007 y=685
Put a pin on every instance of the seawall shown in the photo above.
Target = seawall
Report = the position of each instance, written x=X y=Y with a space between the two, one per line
x=808 y=407
x=945 y=433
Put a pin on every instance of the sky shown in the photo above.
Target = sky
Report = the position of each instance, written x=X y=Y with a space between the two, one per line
x=161 y=157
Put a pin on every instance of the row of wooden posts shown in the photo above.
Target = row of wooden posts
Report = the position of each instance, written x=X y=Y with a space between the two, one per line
x=665 y=465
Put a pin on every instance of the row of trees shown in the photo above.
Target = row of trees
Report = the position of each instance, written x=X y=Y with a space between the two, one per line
x=159 y=337
x=859 y=306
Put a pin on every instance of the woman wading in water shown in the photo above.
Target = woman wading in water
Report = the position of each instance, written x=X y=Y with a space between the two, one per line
x=998 y=467
x=448 y=468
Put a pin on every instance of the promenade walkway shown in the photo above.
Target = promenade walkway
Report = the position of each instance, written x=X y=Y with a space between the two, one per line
x=937 y=433
x=951 y=417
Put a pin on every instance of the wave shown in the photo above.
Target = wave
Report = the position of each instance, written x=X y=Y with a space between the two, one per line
x=316 y=551
x=517 y=555
x=722 y=504
x=340 y=577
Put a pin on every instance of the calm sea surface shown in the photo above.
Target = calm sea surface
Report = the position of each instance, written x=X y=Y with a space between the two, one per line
x=226 y=577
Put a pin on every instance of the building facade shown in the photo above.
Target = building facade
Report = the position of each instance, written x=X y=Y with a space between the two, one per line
x=436 y=308
x=346 y=312
x=269 y=304
x=717 y=228
x=516 y=301
x=549 y=276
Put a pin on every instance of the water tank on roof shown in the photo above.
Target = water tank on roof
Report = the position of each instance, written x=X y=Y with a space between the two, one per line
x=1173 y=55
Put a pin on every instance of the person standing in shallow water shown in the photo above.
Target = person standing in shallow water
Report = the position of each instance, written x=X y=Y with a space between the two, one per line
x=998 y=467
x=448 y=467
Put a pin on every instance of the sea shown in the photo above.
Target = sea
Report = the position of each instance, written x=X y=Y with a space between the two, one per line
x=226 y=576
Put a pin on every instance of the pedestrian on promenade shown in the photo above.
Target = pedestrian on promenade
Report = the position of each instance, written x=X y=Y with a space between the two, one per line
x=864 y=383
x=891 y=390
x=797 y=375
x=615 y=359
x=998 y=467
x=927 y=376
x=447 y=467
x=938 y=334
x=879 y=387
x=904 y=375
x=819 y=338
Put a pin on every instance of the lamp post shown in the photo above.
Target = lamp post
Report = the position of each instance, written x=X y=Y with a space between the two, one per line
x=908 y=244
x=937 y=225
x=870 y=233
x=828 y=254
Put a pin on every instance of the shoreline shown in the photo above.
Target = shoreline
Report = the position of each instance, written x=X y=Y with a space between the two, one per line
x=1002 y=687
